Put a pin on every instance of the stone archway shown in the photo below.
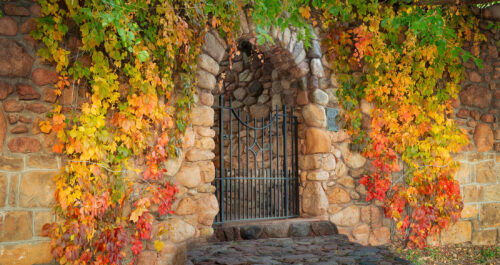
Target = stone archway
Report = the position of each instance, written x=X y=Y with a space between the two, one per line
x=289 y=75
x=329 y=172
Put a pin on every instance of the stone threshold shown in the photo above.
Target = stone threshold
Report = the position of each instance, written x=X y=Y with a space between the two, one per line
x=284 y=228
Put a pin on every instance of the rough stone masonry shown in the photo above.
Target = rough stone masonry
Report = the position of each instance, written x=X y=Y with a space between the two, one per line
x=329 y=171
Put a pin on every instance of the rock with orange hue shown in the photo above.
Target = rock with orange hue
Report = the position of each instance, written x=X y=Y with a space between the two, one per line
x=314 y=200
x=14 y=60
x=348 y=216
x=483 y=138
x=490 y=215
x=188 y=176
x=314 y=116
x=26 y=254
x=371 y=215
x=317 y=141
x=476 y=96
x=12 y=9
x=186 y=206
x=5 y=90
x=361 y=233
x=24 y=145
x=338 y=195
x=12 y=105
x=207 y=208
x=26 y=92
x=8 y=26
x=3 y=129
x=43 y=77
x=16 y=225
x=460 y=232
x=380 y=236
x=28 y=26
x=37 y=189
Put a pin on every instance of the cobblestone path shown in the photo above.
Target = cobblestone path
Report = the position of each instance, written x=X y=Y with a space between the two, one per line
x=321 y=250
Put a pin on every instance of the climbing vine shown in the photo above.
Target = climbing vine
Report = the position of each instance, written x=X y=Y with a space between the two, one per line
x=135 y=66
x=135 y=63
x=402 y=67
x=399 y=62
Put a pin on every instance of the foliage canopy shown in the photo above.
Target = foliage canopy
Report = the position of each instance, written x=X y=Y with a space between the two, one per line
x=402 y=57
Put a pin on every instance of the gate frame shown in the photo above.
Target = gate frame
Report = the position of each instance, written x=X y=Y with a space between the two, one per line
x=287 y=174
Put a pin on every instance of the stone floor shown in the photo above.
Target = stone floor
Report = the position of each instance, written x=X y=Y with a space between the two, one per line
x=331 y=250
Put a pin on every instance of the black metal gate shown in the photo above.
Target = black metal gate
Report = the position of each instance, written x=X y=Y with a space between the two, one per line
x=257 y=167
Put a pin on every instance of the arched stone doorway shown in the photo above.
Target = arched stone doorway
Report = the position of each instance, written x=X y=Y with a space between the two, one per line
x=328 y=172
x=263 y=77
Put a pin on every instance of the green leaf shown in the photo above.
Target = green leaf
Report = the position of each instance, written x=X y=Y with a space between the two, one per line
x=143 y=56
x=441 y=46
x=106 y=19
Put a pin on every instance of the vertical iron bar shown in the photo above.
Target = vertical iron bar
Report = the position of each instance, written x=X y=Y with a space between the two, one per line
x=221 y=151
x=296 y=172
x=278 y=151
x=238 y=192
x=239 y=166
x=261 y=188
x=248 y=164
x=280 y=179
x=261 y=184
x=285 y=156
x=243 y=195
x=267 y=194
x=269 y=175
x=226 y=194
x=256 y=199
x=230 y=134
x=217 y=193
x=230 y=138
x=235 y=192
x=252 y=199
x=230 y=195
x=289 y=178
x=274 y=190
x=255 y=156
x=290 y=184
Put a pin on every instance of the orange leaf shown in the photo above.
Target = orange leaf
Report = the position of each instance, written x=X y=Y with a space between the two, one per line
x=58 y=148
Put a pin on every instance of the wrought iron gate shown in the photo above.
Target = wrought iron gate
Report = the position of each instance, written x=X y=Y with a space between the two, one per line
x=257 y=167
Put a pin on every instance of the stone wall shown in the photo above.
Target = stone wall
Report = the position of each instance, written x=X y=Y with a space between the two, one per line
x=477 y=111
x=27 y=163
x=329 y=171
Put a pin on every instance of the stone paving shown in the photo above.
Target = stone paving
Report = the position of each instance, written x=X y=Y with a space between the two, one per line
x=320 y=250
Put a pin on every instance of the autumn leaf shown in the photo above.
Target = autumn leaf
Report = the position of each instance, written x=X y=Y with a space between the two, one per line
x=58 y=148
x=305 y=11
x=45 y=126
x=159 y=245
x=134 y=216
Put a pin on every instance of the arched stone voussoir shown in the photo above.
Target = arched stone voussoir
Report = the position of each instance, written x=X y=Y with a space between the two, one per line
x=214 y=47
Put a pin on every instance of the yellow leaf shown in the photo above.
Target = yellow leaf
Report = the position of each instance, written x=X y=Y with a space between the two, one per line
x=134 y=216
x=159 y=245
x=161 y=231
x=45 y=126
